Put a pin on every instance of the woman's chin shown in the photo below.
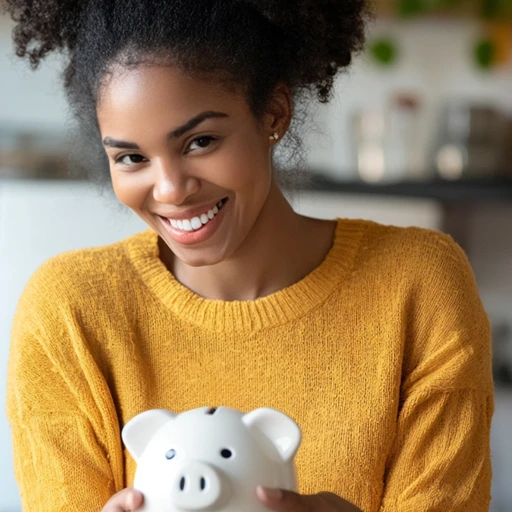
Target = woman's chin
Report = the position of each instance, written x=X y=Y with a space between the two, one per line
x=196 y=256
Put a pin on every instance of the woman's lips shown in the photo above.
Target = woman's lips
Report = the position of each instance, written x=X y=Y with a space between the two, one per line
x=194 y=236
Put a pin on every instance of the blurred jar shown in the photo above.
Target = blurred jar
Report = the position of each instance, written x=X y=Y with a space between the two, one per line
x=28 y=154
x=470 y=142
x=386 y=141
x=368 y=128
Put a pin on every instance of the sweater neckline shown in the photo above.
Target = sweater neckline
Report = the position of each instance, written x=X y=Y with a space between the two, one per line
x=278 y=308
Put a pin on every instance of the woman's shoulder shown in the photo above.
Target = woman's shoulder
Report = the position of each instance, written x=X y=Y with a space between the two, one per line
x=413 y=248
x=430 y=271
x=84 y=272
x=415 y=261
x=404 y=238
x=425 y=280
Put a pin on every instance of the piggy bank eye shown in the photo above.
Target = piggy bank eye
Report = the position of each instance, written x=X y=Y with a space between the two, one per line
x=227 y=454
x=170 y=454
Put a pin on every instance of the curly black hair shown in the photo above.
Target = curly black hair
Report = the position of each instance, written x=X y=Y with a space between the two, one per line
x=253 y=43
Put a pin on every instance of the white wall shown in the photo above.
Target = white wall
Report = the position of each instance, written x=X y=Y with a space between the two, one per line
x=31 y=99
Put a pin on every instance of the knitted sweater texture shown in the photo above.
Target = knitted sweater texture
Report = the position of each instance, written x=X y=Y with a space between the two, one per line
x=381 y=354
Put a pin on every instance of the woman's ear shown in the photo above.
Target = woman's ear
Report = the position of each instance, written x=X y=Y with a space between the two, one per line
x=279 y=112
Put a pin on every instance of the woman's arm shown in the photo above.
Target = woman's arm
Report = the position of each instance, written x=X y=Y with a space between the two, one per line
x=440 y=456
x=440 y=459
x=65 y=433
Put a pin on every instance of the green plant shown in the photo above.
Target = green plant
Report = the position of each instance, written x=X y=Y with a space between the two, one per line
x=488 y=9
x=496 y=9
x=384 y=51
x=408 y=8
x=485 y=53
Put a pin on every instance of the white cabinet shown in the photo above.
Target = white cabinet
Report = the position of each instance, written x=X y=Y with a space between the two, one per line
x=397 y=211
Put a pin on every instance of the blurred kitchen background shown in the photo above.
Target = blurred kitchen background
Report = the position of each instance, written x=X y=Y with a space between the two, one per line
x=419 y=133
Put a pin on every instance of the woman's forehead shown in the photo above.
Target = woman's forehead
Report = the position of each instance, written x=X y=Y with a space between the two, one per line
x=161 y=86
x=148 y=103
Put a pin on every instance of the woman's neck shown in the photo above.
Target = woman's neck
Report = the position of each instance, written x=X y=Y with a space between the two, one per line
x=274 y=255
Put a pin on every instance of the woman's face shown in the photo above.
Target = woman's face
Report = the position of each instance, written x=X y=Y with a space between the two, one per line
x=188 y=157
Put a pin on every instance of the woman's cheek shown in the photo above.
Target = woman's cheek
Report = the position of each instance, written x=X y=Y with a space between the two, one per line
x=129 y=189
x=240 y=168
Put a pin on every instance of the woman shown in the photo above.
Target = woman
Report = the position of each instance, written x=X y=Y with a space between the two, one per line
x=372 y=338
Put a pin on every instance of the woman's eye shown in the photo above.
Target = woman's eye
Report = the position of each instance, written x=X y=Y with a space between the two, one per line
x=202 y=142
x=133 y=159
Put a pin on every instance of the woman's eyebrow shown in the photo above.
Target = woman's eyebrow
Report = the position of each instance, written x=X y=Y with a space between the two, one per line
x=189 y=125
x=174 y=134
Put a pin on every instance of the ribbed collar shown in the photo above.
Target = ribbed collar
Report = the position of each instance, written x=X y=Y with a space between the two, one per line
x=278 y=308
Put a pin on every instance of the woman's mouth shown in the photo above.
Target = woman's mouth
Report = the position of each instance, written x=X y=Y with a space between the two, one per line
x=197 y=222
x=198 y=228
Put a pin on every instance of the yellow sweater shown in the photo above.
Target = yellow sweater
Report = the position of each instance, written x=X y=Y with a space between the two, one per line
x=381 y=354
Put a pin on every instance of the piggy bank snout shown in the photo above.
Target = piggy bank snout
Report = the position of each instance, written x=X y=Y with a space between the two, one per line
x=198 y=486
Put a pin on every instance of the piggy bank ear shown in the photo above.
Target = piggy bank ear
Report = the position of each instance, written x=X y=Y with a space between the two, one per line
x=281 y=430
x=139 y=431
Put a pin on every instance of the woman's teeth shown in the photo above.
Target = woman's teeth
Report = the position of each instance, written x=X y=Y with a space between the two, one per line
x=196 y=223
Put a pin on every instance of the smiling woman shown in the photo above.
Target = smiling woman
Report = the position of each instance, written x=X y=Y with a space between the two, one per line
x=190 y=159
x=372 y=338
x=192 y=163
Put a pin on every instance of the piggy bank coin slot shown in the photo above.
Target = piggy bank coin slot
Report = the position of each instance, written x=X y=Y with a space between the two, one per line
x=211 y=411
x=202 y=484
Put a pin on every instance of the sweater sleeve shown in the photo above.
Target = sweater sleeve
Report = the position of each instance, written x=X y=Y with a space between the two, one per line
x=440 y=458
x=65 y=434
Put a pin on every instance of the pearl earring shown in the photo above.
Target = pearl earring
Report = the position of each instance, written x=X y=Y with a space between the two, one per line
x=274 y=137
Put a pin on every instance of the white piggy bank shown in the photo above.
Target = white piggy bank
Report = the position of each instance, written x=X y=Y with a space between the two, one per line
x=211 y=459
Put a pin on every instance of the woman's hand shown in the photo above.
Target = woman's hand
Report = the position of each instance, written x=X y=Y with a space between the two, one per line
x=126 y=500
x=286 y=501
x=129 y=500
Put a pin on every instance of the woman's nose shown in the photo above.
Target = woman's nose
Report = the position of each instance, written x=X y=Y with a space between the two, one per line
x=173 y=185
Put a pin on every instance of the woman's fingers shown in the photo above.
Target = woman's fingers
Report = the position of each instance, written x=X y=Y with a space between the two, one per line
x=286 y=501
x=126 y=500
